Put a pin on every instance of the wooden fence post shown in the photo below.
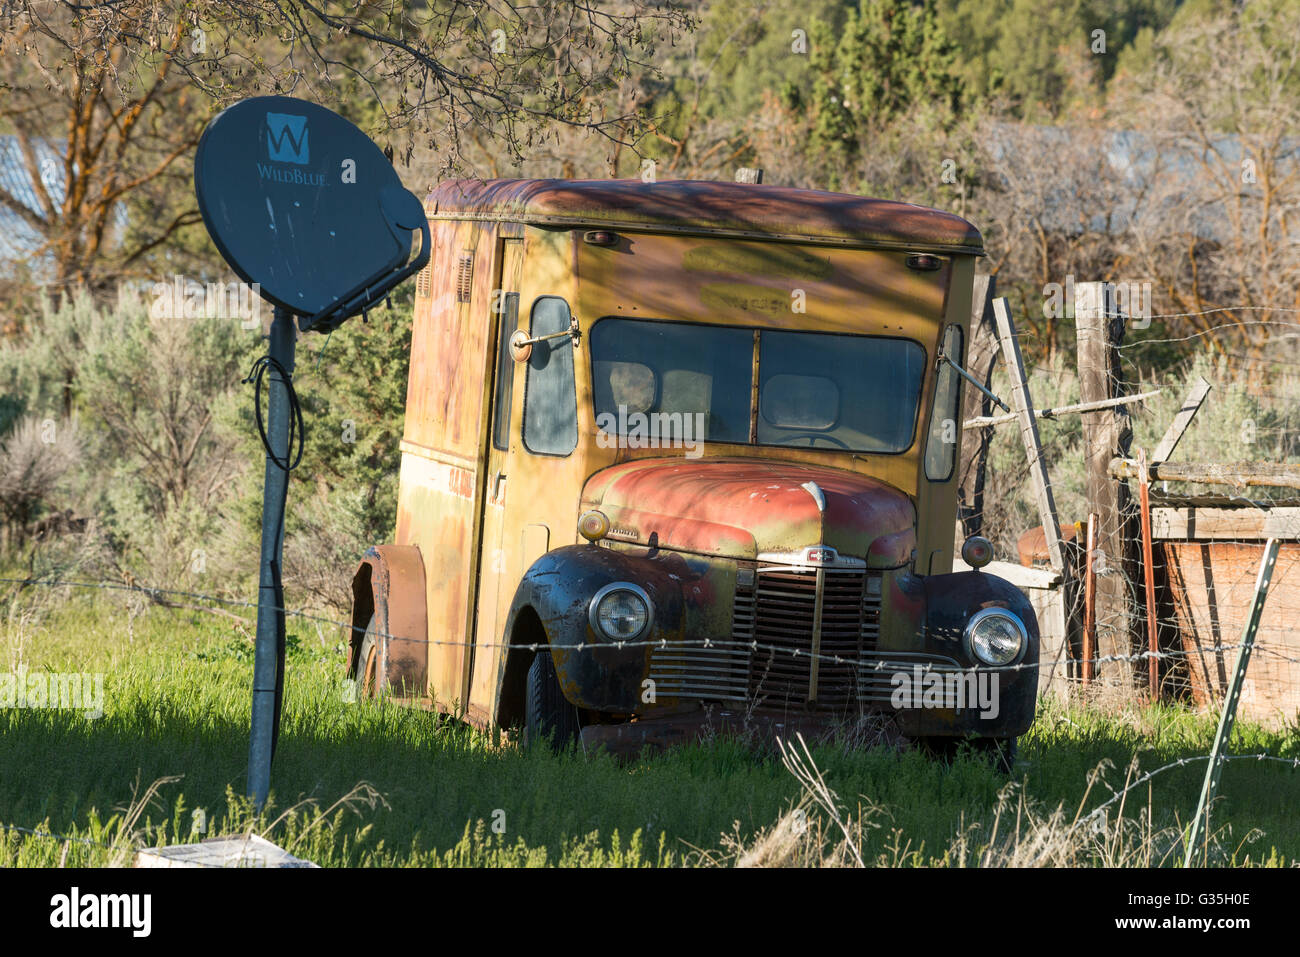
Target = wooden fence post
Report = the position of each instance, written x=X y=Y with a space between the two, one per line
x=1062 y=558
x=1178 y=427
x=1106 y=434
x=1024 y=407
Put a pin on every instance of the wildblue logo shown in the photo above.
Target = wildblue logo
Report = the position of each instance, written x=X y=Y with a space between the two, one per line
x=286 y=138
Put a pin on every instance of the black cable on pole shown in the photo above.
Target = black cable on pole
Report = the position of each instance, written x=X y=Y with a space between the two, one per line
x=297 y=430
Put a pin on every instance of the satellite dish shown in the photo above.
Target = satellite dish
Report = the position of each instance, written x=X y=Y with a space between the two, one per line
x=301 y=202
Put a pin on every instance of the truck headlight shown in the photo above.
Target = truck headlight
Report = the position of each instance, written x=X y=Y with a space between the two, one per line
x=996 y=636
x=620 y=612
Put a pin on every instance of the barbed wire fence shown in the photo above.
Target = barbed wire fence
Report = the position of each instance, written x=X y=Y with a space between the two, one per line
x=1168 y=623
x=1176 y=513
x=878 y=663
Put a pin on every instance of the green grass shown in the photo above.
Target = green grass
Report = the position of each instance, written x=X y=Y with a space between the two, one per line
x=177 y=692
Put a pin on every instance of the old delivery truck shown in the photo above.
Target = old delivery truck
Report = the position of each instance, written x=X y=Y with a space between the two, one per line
x=682 y=453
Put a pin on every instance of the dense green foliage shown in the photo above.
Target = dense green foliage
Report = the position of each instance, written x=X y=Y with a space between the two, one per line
x=151 y=432
x=889 y=60
x=352 y=385
x=142 y=426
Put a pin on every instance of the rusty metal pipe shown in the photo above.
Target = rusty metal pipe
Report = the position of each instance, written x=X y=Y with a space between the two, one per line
x=1089 y=601
x=1149 y=580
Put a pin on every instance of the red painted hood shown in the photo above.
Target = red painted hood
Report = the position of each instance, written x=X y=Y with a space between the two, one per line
x=739 y=508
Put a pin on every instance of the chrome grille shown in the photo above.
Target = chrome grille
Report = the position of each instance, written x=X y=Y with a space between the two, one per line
x=691 y=671
x=781 y=668
x=767 y=661
x=876 y=673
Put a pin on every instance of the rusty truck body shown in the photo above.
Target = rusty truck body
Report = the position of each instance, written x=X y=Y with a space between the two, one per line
x=685 y=451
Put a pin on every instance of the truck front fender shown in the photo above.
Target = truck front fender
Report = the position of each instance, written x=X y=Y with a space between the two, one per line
x=950 y=601
x=594 y=672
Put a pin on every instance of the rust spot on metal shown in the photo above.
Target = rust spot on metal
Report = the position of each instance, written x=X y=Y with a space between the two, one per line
x=460 y=482
x=743 y=507
x=1031 y=547
x=1211 y=586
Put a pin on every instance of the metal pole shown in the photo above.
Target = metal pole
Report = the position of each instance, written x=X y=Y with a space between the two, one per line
x=270 y=616
x=1229 y=714
x=1149 y=580
x=1090 y=602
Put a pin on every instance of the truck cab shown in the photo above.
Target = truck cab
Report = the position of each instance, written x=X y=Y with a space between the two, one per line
x=683 y=454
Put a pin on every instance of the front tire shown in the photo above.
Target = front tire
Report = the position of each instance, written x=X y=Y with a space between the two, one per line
x=548 y=715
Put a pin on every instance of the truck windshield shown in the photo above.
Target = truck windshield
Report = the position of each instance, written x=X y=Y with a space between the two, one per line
x=821 y=390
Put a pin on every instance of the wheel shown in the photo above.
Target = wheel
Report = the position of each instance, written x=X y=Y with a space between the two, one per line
x=999 y=752
x=368 y=662
x=548 y=715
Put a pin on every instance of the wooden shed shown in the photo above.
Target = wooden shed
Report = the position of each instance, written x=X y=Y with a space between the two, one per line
x=1211 y=556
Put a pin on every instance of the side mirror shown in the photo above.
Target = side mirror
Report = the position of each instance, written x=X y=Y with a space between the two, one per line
x=521 y=347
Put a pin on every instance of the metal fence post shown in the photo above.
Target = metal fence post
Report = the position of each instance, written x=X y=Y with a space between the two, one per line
x=1229 y=713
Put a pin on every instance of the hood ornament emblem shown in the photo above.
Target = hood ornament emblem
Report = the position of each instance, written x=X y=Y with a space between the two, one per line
x=813 y=489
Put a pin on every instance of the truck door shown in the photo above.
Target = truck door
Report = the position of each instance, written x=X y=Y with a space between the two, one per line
x=442 y=481
x=496 y=583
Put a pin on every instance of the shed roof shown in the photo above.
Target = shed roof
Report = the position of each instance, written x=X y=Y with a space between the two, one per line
x=700 y=207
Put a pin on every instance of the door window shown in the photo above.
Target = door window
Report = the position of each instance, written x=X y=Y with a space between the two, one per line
x=550 y=395
x=505 y=371
x=945 y=431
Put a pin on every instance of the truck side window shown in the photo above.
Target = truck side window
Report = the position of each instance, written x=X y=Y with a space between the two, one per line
x=550 y=394
x=945 y=430
x=505 y=371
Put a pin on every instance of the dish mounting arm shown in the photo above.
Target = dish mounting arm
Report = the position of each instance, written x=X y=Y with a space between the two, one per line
x=404 y=215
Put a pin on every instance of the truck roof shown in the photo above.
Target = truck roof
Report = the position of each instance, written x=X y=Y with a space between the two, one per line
x=707 y=208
